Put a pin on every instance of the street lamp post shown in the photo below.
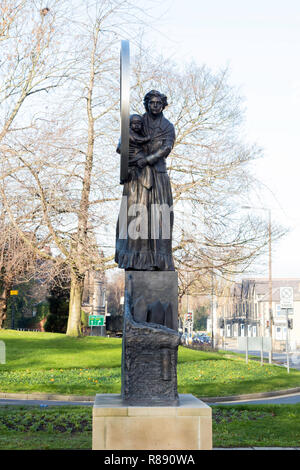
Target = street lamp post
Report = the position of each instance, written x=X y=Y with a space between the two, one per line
x=270 y=274
x=270 y=287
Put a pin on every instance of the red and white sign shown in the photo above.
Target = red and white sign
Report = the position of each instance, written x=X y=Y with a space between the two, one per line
x=286 y=297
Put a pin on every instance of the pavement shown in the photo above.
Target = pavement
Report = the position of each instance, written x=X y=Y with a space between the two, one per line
x=43 y=403
x=290 y=396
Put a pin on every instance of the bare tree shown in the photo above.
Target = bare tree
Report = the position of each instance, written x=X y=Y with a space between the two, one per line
x=210 y=169
x=17 y=263
x=31 y=64
x=59 y=170
x=31 y=59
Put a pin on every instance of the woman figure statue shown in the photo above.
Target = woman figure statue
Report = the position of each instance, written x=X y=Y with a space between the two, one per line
x=144 y=229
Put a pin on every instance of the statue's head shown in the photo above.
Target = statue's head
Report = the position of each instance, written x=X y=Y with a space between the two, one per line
x=155 y=102
x=136 y=122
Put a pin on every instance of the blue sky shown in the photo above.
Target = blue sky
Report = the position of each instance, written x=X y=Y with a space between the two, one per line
x=260 y=42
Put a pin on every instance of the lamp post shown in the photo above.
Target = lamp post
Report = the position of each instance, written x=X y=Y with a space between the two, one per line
x=270 y=274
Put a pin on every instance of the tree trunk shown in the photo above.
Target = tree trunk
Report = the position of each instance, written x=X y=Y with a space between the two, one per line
x=3 y=306
x=74 y=320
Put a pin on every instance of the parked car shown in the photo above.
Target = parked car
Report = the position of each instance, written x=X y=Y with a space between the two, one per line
x=201 y=338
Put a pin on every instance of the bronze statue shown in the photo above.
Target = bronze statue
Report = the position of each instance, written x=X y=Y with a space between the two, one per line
x=144 y=249
x=147 y=243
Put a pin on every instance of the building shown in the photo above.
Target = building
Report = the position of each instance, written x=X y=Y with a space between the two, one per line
x=243 y=309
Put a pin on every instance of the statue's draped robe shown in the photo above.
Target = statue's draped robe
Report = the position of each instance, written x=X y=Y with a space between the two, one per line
x=148 y=194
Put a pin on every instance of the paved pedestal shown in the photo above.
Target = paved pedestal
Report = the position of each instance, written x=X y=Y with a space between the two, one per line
x=117 y=426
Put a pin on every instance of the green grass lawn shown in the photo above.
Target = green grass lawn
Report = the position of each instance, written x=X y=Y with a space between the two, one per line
x=256 y=426
x=55 y=363
x=70 y=427
x=33 y=428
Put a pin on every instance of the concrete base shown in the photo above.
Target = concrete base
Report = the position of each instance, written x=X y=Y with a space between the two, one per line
x=121 y=427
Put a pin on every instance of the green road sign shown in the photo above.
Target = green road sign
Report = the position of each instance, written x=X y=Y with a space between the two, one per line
x=96 y=320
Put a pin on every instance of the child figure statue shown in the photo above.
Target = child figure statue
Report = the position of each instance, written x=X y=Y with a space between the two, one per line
x=137 y=140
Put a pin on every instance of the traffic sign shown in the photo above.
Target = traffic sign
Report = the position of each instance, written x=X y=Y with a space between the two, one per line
x=189 y=317
x=96 y=320
x=14 y=292
x=286 y=297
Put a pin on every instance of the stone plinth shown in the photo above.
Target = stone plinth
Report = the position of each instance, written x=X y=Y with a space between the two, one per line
x=149 y=356
x=151 y=286
x=117 y=426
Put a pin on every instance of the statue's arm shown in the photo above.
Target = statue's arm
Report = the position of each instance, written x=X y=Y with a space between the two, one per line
x=164 y=151
x=138 y=139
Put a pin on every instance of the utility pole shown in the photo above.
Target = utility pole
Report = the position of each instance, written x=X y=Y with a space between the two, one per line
x=270 y=289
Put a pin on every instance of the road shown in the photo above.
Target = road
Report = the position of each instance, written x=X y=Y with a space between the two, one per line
x=284 y=399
